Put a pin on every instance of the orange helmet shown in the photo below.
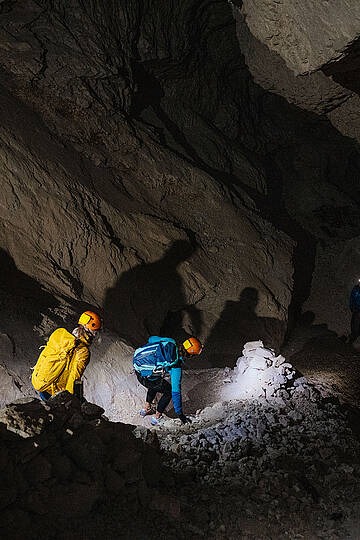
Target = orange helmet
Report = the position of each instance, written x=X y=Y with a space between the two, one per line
x=192 y=346
x=90 y=320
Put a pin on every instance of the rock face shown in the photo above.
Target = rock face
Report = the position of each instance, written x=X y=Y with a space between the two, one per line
x=307 y=35
x=96 y=206
x=172 y=167
x=314 y=91
x=10 y=383
x=309 y=54
x=336 y=272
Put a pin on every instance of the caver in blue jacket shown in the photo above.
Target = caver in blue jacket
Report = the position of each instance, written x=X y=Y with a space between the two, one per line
x=155 y=359
x=355 y=317
x=161 y=356
x=355 y=299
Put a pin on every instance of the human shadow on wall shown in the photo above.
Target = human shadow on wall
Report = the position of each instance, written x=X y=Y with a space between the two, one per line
x=149 y=299
x=237 y=325
x=272 y=205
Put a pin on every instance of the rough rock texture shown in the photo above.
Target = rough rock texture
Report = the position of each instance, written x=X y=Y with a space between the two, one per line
x=309 y=53
x=307 y=35
x=260 y=373
x=283 y=466
x=313 y=64
x=288 y=456
x=60 y=460
x=10 y=383
x=94 y=204
x=314 y=91
x=144 y=162
x=325 y=359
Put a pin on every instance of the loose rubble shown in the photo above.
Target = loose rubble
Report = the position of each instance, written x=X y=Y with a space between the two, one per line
x=260 y=373
x=282 y=440
x=60 y=460
x=277 y=457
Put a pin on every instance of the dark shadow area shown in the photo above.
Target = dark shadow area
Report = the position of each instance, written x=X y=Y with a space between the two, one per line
x=322 y=356
x=272 y=205
x=346 y=72
x=173 y=325
x=305 y=248
x=238 y=324
x=149 y=298
x=24 y=300
x=151 y=78
x=157 y=81
x=21 y=297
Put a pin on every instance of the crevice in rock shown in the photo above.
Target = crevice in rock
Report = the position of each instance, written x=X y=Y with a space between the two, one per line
x=347 y=70
x=191 y=235
x=111 y=234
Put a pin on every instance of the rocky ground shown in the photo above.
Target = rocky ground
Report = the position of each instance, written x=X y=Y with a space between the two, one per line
x=280 y=465
x=60 y=461
x=275 y=457
x=273 y=450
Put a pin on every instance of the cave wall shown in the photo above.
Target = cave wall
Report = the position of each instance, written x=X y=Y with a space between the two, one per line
x=115 y=194
x=164 y=154
x=306 y=35
x=308 y=53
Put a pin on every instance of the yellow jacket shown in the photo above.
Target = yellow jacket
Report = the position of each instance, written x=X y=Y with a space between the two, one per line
x=61 y=363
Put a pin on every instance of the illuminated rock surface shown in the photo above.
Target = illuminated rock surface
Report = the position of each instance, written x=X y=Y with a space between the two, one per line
x=282 y=449
x=182 y=167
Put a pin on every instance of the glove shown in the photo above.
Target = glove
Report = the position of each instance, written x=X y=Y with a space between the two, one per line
x=184 y=419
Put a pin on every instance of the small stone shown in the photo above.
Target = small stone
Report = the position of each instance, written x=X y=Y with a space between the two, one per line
x=300 y=381
x=278 y=360
x=251 y=346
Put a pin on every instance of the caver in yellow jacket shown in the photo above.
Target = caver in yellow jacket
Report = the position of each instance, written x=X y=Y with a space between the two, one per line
x=62 y=362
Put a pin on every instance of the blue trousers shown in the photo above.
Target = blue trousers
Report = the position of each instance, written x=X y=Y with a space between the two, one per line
x=44 y=396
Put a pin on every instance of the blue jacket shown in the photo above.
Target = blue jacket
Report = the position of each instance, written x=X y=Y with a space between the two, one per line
x=146 y=359
x=355 y=299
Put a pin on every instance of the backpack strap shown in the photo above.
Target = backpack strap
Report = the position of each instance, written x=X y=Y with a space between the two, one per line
x=70 y=353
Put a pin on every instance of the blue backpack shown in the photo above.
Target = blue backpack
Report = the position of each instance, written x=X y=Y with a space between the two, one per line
x=157 y=357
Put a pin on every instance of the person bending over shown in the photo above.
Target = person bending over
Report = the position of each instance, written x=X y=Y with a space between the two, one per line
x=152 y=362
